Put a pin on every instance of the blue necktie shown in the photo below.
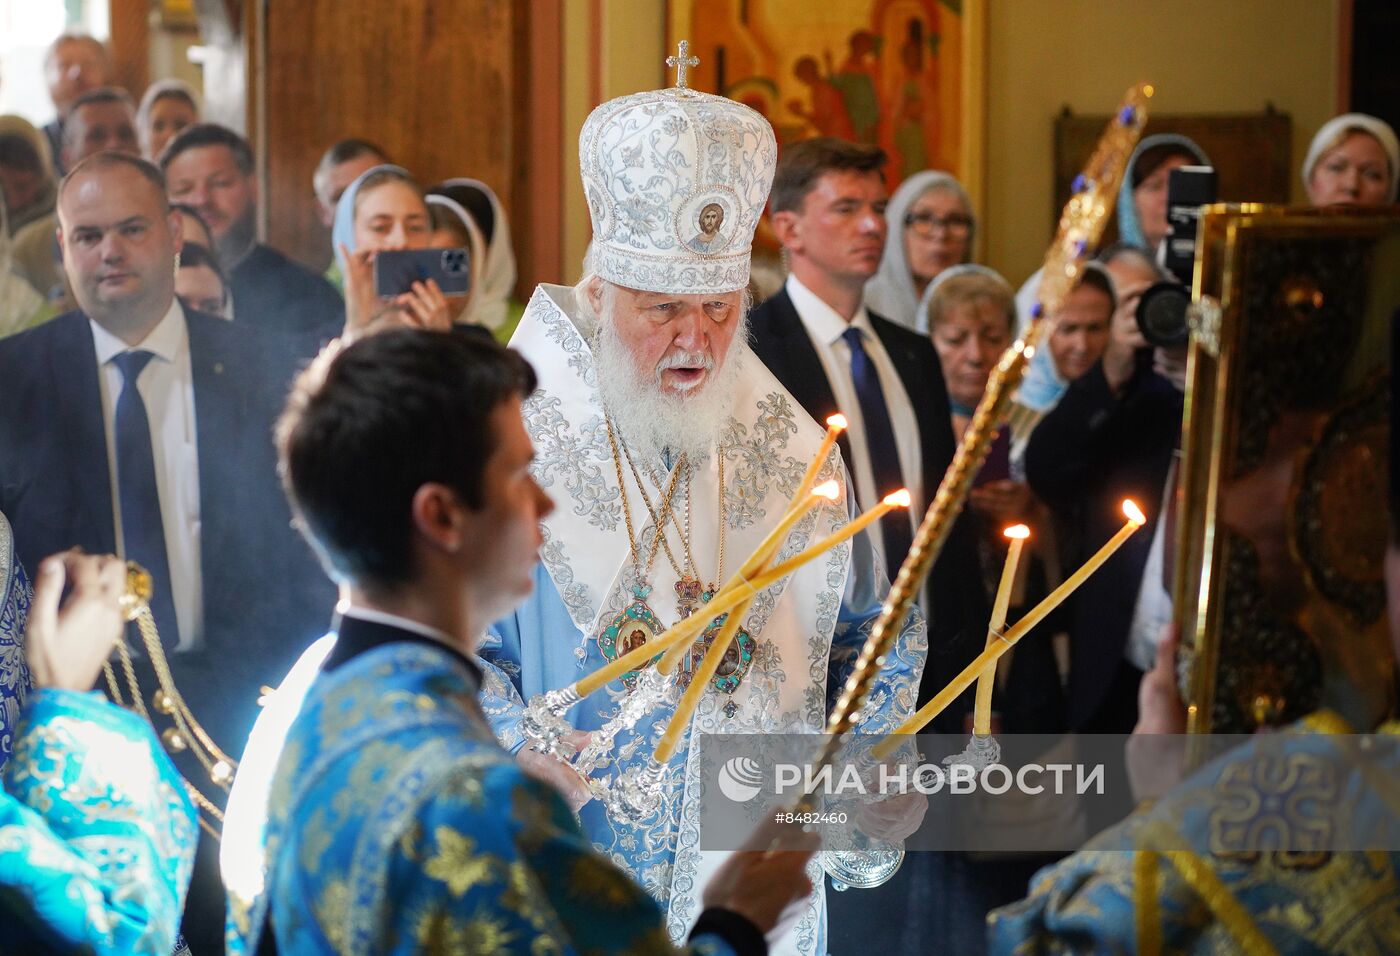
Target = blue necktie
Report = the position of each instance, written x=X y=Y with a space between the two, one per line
x=143 y=531
x=884 y=454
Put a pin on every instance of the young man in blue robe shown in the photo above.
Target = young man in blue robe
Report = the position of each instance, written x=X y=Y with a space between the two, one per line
x=97 y=836
x=374 y=811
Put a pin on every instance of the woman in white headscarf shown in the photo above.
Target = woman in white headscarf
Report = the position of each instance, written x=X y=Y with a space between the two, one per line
x=931 y=227
x=1353 y=159
x=26 y=172
x=167 y=107
x=21 y=307
x=491 y=300
x=454 y=227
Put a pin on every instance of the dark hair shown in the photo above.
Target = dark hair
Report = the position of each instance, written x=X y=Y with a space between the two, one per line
x=194 y=255
x=103 y=94
x=209 y=134
x=342 y=151
x=474 y=201
x=1152 y=158
x=802 y=164
x=1098 y=279
x=185 y=209
x=369 y=424
x=107 y=159
x=446 y=218
x=63 y=38
x=17 y=152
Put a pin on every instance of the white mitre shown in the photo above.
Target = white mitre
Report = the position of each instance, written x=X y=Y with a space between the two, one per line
x=653 y=164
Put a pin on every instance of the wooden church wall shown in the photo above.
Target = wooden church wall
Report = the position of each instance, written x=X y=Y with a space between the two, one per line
x=444 y=86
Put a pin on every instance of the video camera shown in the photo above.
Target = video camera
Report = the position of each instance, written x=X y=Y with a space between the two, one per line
x=1161 y=313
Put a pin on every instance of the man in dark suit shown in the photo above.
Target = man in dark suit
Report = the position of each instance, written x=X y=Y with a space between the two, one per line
x=137 y=427
x=210 y=168
x=1106 y=441
x=834 y=355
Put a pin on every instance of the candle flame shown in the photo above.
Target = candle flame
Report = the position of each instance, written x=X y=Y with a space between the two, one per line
x=829 y=490
x=1148 y=90
x=1133 y=512
x=900 y=498
x=1017 y=531
x=837 y=422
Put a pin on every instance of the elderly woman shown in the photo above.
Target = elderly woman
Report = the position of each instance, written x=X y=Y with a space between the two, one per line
x=384 y=210
x=1354 y=159
x=26 y=173
x=21 y=307
x=971 y=316
x=930 y=229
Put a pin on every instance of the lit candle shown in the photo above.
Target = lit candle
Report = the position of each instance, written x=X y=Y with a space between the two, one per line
x=827 y=491
x=738 y=591
x=982 y=712
x=989 y=657
x=835 y=425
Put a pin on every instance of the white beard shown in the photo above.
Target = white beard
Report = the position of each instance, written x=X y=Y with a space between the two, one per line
x=655 y=423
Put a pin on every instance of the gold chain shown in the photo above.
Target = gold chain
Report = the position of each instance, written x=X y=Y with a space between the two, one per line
x=660 y=538
x=219 y=765
x=660 y=522
x=147 y=626
x=667 y=511
x=723 y=518
x=685 y=534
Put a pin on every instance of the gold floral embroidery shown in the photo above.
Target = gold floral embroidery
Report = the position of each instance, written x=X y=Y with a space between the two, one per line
x=440 y=932
x=333 y=913
x=596 y=882
x=457 y=862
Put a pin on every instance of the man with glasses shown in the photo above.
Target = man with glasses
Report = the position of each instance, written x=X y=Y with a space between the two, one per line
x=835 y=355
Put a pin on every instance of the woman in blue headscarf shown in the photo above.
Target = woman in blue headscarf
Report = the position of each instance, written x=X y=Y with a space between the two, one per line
x=384 y=209
x=1142 y=199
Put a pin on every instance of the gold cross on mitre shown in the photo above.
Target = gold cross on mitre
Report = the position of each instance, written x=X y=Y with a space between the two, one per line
x=681 y=62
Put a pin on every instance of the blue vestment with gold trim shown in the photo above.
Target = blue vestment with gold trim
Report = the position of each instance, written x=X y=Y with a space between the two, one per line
x=1188 y=875
x=375 y=812
x=97 y=836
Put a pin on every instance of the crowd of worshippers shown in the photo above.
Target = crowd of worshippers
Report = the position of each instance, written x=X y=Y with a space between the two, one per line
x=138 y=404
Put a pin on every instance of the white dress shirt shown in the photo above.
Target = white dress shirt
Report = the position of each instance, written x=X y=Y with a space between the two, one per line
x=825 y=326
x=166 y=385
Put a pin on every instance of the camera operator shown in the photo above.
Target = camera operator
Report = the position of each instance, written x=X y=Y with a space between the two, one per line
x=1132 y=272
x=1113 y=435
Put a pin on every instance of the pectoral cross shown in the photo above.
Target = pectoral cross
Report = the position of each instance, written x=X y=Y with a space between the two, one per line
x=688 y=594
x=681 y=62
